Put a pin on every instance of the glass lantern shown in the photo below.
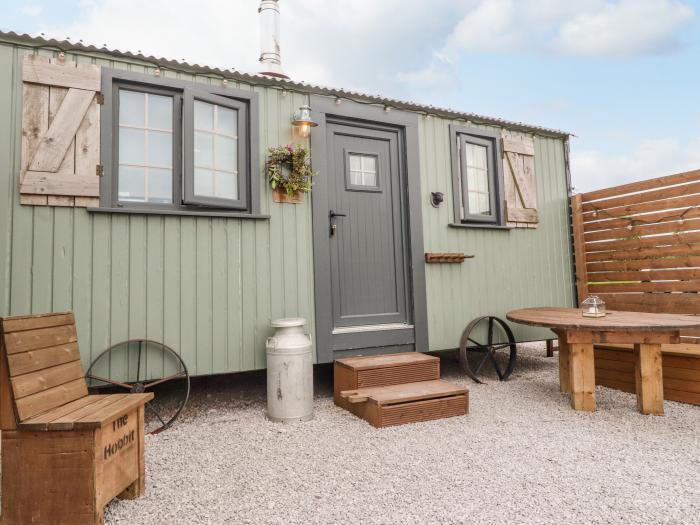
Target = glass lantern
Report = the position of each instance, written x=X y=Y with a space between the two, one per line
x=593 y=306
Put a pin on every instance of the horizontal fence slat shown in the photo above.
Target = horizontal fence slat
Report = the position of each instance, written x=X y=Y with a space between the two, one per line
x=641 y=220
x=647 y=196
x=644 y=253
x=645 y=242
x=670 y=303
x=630 y=265
x=688 y=274
x=677 y=178
x=639 y=231
x=685 y=201
x=663 y=286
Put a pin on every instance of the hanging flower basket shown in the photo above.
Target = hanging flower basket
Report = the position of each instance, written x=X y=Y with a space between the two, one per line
x=289 y=172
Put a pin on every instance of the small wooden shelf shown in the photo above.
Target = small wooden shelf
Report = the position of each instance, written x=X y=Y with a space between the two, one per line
x=447 y=257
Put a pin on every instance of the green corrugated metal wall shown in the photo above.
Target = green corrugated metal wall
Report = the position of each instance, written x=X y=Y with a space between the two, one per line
x=511 y=269
x=208 y=287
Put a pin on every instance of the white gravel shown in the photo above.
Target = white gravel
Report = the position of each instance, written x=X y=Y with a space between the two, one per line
x=520 y=456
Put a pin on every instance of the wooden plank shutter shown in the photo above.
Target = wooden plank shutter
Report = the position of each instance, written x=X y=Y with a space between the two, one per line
x=60 y=133
x=520 y=184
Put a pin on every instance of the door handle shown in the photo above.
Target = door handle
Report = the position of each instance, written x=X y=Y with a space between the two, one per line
x=332 y=215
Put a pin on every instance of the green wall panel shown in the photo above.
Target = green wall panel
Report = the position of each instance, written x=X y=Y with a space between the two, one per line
x=512 y=268
x=207 y=287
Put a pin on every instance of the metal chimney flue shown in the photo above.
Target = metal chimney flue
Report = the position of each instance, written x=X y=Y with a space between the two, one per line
x=270 y=57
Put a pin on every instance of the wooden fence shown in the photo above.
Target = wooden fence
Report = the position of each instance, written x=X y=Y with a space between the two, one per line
x=637 y=246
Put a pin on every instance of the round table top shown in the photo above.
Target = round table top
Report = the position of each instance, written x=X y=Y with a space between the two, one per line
x=614 y=321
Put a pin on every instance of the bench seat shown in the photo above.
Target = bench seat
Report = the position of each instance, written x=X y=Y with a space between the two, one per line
x=92 y=411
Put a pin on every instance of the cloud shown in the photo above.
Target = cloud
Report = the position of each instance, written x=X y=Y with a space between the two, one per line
x=627 y=28
x=593 y=169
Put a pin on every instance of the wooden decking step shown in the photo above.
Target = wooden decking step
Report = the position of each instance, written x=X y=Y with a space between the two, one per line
x=384 y=406
x=382 y=370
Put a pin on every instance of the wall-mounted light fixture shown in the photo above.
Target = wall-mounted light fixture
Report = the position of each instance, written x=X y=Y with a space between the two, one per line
x=436 y=198
x=303 y=122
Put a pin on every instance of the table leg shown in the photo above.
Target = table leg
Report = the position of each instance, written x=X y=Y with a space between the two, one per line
x=649 y=379
x=582 y=376
x=564 y=365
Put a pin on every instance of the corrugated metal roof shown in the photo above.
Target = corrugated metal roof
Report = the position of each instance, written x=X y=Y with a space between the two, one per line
x=166 y=63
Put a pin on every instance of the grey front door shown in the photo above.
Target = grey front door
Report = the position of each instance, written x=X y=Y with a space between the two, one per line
x=361 y=232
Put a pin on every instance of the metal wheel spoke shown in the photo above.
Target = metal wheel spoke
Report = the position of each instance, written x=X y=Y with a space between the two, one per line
x=149 y=407
x=110 y=381
x=495 y=365
x=481 y=363
x=164 y=380
x=475 y=342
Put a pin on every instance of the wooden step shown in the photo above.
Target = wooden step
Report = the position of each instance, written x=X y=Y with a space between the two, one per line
x=382 y=370
x=391 y=405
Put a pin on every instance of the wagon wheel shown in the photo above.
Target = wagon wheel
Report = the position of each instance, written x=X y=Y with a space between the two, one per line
x=497 y=349
x=131 y=359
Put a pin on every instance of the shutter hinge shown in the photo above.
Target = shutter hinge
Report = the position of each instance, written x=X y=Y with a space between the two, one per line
x=99 y=170
x=99 y=98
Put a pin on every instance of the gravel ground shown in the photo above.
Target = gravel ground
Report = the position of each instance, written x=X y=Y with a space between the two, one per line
x=520 y=456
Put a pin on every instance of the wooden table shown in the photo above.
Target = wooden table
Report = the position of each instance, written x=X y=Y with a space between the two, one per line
x=578 y=334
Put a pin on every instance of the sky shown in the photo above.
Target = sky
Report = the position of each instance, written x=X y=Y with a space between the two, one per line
x=623 y=76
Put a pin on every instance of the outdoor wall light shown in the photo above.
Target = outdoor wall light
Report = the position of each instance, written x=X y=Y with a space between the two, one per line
x=436 y=198
x=303 y=122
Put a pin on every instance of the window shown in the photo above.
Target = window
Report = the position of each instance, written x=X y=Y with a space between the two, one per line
x=477 y=181
x=362 y=171
x=178 y=147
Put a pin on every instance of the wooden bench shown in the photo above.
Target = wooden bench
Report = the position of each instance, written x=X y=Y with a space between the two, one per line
x=614 y=368
x=65 y=454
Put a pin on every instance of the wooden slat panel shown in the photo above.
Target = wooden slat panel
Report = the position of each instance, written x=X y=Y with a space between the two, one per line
x=625 y=211
x=27 y=384
x=687 y=274
x=647 y=196
x=644 y=253
x=38 y=70
x=638 y=230
x=26 y=362
x=48 y=399
x=605 y=223
x=39 y=182
x=666 y=262
x=110 y=412
x=67 y=421
x=665 y=286
x=678 y=178
x=522 y=214
x=42 y=338
x=579 y=249
x=522 y=146
x=677 y=303
x=43 y=421
x=644 y=242
x=32 y=322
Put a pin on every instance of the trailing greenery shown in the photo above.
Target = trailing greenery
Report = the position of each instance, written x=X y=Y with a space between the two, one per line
x=289 y=168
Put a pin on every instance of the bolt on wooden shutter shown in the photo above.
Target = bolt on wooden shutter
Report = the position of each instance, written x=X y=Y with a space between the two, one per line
x=520 y=184
x=60 y=133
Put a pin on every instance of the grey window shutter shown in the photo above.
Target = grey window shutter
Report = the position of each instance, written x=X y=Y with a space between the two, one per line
x=60 y=133
x=520 y=184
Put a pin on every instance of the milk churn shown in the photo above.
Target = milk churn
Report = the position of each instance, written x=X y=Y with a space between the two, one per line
x=290 y=389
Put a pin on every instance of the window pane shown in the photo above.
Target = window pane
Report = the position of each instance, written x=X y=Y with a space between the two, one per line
x=132 y=184
x=160 y=112
x=132 y=145
x=160 y=149
x=225 y=153
x=132 y=108
x=369 y=163
x=356 y=178
x=477 y=179
x=226 y=185
x=203 y=149
x=476 y=155
x=203 y=115
x=370 y=178
x=227 y=121
x=355 y=162
x=203 y=182
x=160 y=185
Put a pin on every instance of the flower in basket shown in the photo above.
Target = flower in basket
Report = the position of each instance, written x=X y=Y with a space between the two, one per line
x=289 y=168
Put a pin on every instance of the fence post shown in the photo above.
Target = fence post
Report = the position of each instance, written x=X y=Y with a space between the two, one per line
x=579 y=248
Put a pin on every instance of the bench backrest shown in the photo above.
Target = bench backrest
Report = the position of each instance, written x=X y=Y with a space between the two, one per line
x=40 y=366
